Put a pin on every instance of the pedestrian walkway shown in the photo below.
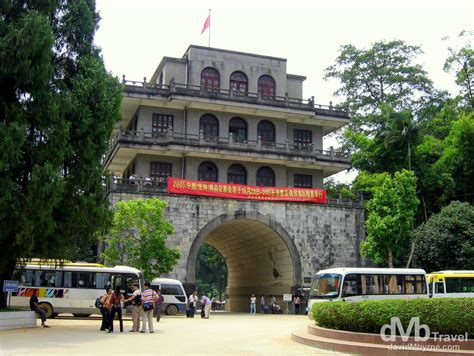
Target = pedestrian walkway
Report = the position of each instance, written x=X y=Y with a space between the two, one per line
x=221 y=334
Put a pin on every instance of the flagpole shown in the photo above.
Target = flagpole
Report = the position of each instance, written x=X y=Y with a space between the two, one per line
x=209 y=43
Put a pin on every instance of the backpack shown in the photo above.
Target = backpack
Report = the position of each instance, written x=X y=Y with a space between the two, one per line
x=98 y=304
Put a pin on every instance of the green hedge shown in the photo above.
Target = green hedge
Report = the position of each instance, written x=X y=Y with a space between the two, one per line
x=446 y=315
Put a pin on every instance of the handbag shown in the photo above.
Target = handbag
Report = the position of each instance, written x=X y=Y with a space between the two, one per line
x=148 y=306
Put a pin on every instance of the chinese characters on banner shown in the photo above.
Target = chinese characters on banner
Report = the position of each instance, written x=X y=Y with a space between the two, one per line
x=237 y=191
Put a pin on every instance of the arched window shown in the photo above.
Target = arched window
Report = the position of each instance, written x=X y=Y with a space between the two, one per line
x=266 y=131
x=265 y=177
x=238 y=129
x=207 y=171
x=209 y=126
x=237 y=174
x=266 y=87
x=239 y=84
x=210 y=79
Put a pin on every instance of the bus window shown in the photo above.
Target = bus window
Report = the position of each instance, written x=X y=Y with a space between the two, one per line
x=352 y=285
x=40 y=280
x=25 y=276
x=53 y=278
x=325 y=286
x=392 y=284
x=82 y=280
x=370 y=284
x=125 y=281
x=439 y=288
x=415 y=284
x=459 y=284
x=102 y=280
x=171 y=290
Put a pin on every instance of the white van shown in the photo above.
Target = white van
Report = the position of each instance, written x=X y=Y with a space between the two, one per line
x=172 y=290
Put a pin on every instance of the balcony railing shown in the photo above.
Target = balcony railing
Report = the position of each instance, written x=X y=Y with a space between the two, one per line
x=230 y=143
x=141 y=186
x=231 y=95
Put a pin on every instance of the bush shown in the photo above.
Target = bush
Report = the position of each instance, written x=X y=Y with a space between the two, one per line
x=446 y=316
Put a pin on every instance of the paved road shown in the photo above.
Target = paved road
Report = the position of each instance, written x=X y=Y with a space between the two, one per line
x=224 y=333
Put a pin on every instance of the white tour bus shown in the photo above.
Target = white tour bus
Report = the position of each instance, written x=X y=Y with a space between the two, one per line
x=451 y=284
x=358 y=284
x=174 y=296
x=70 y=287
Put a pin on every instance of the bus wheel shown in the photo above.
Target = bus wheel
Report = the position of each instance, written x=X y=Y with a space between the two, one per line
x=171 y=309
x=48 y=310
x=80 y=315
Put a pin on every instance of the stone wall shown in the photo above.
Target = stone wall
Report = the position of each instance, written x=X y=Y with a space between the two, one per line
x=315 y=236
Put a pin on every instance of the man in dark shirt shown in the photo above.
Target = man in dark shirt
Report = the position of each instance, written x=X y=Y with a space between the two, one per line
x=34 y=305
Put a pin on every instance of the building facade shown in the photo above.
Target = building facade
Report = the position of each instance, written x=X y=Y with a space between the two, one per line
x=224 y=116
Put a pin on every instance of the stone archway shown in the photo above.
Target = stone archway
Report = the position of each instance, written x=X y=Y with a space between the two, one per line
x=261 y=256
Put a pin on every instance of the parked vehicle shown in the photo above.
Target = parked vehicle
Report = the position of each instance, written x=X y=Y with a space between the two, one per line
x=70 y=287
x=451 y=284
x=358 y=284
x=173 y=293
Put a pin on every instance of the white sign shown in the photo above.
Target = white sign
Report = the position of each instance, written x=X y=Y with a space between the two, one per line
x=287 y=297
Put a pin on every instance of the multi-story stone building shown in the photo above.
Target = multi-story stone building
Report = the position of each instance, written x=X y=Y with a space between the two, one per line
x=224 y=116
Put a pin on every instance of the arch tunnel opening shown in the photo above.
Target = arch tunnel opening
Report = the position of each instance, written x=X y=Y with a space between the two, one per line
x=260 y=257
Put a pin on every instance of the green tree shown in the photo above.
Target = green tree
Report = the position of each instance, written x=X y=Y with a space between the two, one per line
x=211 y=271
x=402 y=128
x=58 y=106
x=367 y=183
x=458 y=156
x=336 y=190
x=390 y=218
x=461 y=62
x=138 y=237
x=385 y=92
x=382 y=76
x=446 y=240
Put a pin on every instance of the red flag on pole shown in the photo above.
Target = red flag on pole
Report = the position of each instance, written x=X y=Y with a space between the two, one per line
x=207 y=24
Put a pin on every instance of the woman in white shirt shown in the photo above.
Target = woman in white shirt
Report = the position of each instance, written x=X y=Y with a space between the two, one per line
x=193 y=298
x=253 y=307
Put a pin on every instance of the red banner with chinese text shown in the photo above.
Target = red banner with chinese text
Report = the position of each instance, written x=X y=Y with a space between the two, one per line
x=238 y=191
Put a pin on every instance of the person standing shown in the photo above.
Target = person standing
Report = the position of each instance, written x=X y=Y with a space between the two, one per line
x=297 y=302
x=262 y=304
x=116 y=301
x=253 y=305
x=149 y=298
x=105 y=309
x=34 y=306
x=273 y=304
x=205 y=306
x=136 y=300
x=193 y=299
x=159 y=305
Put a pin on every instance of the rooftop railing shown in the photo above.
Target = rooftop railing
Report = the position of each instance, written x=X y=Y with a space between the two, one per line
x=230 y=143
x=173 y=88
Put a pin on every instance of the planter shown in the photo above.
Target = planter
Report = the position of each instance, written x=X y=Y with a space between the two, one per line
x=372 y=344
x=17 y=320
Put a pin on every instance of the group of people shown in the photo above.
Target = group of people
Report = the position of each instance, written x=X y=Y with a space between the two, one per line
x=143 y=304
x=206 y=304
x=274 y=307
